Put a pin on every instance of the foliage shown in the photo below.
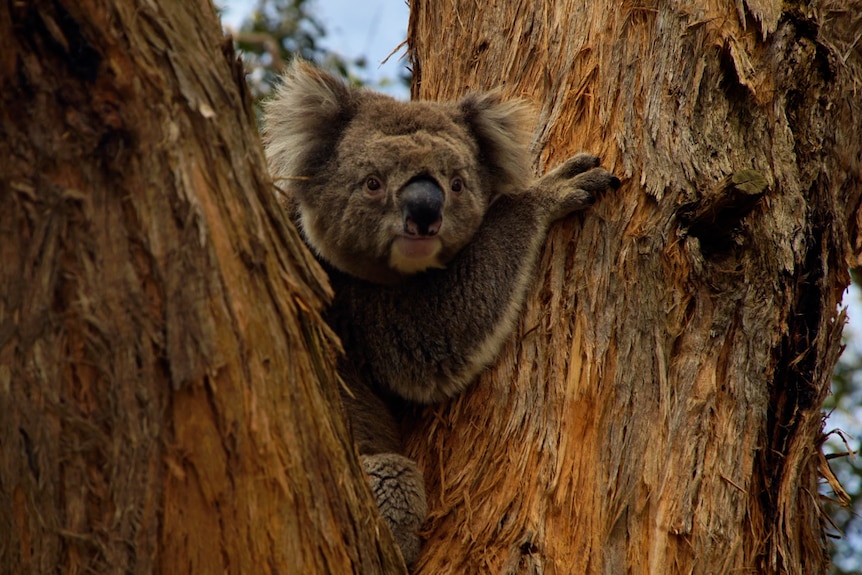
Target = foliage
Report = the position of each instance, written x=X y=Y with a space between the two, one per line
x=845 y=423
x=276 y=31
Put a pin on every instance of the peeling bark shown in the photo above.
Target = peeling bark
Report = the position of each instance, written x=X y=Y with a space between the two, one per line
x=167 y=392
x=168 y=402
x=659 y=409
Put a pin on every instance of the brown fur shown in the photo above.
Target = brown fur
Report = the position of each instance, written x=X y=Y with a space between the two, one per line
x=420 y=329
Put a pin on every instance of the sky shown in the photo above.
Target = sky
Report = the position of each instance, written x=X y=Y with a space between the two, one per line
x=370 y=28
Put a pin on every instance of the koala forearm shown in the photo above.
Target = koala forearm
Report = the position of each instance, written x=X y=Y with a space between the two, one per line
x=450 y=323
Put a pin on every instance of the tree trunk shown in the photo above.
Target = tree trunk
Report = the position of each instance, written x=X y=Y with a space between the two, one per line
x=168 y=402
x=659 y=409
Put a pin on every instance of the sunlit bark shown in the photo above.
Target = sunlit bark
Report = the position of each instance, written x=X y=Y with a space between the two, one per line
x=168 y=402
x=659 y=409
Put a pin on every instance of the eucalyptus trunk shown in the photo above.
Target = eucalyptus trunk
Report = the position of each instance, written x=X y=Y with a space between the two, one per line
x=659 y=408
x=168 y=402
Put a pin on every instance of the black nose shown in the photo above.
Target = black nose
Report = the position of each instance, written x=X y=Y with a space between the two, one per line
x=422 y=207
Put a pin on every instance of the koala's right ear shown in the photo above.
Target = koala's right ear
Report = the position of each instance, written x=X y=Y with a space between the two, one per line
x=304 y=119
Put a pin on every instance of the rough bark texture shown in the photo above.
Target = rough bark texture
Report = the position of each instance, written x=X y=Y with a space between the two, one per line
x=168 y=402
x=659 y=410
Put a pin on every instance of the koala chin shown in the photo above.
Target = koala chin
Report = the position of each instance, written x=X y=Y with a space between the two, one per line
x=409 y=256
x=429 y=222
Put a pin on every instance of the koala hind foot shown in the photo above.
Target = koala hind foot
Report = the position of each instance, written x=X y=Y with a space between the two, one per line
x=399 y=490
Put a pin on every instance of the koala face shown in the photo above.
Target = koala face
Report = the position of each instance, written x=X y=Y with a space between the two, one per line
x=383 y=189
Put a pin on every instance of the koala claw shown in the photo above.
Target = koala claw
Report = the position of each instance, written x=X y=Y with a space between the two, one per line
x=574 y=185
x=579 y=163
x=399 y=490
x=596 y=181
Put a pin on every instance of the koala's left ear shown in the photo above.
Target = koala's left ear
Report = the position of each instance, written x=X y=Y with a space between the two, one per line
x=501 y=130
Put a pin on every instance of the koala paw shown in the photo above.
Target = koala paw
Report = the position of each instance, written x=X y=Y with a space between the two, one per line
x=574 y=185
x=578 y=164
x=399 y=490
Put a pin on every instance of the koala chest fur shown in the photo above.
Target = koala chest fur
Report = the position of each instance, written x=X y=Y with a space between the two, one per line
x=426 y=337
x=429 y=223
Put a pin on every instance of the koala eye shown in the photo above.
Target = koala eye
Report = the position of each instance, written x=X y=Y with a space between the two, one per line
x=456 y=185
x=373 y=185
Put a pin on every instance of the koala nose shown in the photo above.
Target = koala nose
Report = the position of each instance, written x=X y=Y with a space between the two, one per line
x=422 y=207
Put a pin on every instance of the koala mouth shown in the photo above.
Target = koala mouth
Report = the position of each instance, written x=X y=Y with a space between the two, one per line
x=410 y=255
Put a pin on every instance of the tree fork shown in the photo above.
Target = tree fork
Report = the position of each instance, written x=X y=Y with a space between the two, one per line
x=659 y=410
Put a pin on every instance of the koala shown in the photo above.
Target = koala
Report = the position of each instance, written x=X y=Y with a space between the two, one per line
x=429 y=222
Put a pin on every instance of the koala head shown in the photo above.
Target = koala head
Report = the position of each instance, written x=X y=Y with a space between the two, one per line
x=383 y=189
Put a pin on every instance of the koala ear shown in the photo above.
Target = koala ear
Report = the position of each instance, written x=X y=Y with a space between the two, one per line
x=304 y=119
x=501 y=130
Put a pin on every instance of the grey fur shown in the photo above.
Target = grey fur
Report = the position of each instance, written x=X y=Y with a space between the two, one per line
x=415 y=327
x=398 y=487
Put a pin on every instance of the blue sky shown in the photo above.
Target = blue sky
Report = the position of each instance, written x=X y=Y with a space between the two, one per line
x=370 y=28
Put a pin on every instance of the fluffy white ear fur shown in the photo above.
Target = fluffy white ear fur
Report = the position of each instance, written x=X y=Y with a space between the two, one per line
x=304 y=118
x=502 y=131
x=310 y=109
